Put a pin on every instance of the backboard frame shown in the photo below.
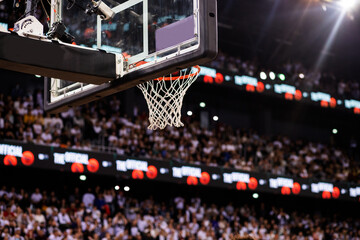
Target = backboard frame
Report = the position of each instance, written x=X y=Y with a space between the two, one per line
x=206 y=51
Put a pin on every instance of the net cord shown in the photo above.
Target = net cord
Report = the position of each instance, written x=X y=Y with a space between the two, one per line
x=164 y=97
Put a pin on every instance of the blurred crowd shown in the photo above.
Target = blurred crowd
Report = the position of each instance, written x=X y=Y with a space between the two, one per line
x=102 y=126
x=295 y=74
x=107 y=214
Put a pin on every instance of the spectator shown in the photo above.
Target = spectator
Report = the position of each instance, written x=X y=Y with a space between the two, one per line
x=64 y=220
x=46 y=136
x=3 y=191
x=39 y=217
x=179 y=201
x=29 y=117
x=88 y=198
x=36 y=197
x=28 y=134
x=37 y=127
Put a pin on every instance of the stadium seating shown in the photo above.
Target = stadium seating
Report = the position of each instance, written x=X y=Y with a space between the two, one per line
x=107 y=214
x=102 y=126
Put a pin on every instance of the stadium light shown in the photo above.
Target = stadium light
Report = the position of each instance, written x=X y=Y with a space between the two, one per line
x=263 y=76
x=189 y=113
x=347 y=4
x=202 y=104
x=255 y=195
x=301 y=75
x=117 y=187
x=272 y=75
x=215 y=118
x=126 y=188
x=334 y=131
x=281 y=77
x=82 y=177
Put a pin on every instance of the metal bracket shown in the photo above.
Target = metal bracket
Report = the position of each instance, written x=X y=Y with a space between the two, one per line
x=119 y=68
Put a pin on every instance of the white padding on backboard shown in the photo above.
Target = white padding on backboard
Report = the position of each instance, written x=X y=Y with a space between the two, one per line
x=175 y=33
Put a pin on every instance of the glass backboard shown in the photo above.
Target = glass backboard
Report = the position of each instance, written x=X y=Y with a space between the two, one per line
x=150 y=38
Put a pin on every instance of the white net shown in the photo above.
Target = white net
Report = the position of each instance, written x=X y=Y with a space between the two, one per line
x=164 y=97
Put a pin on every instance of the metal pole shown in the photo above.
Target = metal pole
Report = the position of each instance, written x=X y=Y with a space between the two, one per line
x=30 y=7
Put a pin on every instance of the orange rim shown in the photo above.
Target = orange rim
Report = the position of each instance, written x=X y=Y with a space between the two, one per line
x=180 y=77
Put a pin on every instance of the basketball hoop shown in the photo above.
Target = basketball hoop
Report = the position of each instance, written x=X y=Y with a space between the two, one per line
x=164 y=97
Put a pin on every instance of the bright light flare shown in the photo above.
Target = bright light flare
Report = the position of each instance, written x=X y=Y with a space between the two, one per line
x=281 y=77
x=272 y=75
x=347 y=4
x=263 y=76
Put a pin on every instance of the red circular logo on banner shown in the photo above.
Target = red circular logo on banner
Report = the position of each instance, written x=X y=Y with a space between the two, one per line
x=250 y=88
x=241 y=186
x=332 y=102
x=205 y=178
x=324 y=104
x=296 y=188
x=93 y=165
x=151 y=172
x=208 y=79
x=285 y=190
x=253 y=183
x=289 y=96
x=137 y=174
x=260 y=87
x=326 y=195
x=191 y=180
x=336 y=192
x=219 y=79
x=298 y=95
x=10 y=160
x=77 y=168
x=27 y=158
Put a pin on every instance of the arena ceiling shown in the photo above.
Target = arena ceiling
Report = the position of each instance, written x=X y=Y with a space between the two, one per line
x=315 y=32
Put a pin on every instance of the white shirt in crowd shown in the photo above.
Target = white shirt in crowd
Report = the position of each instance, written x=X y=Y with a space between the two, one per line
x=46 y=136
x=201 y=235
x=2 y=192
x=194 y=227
x=88 y=199
x=36 y=197
x=53 y=237
x=141 y=224
x=39 y=218
x=64 y=218
x=37 y=128
x=108 y=198
x=179 y=201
